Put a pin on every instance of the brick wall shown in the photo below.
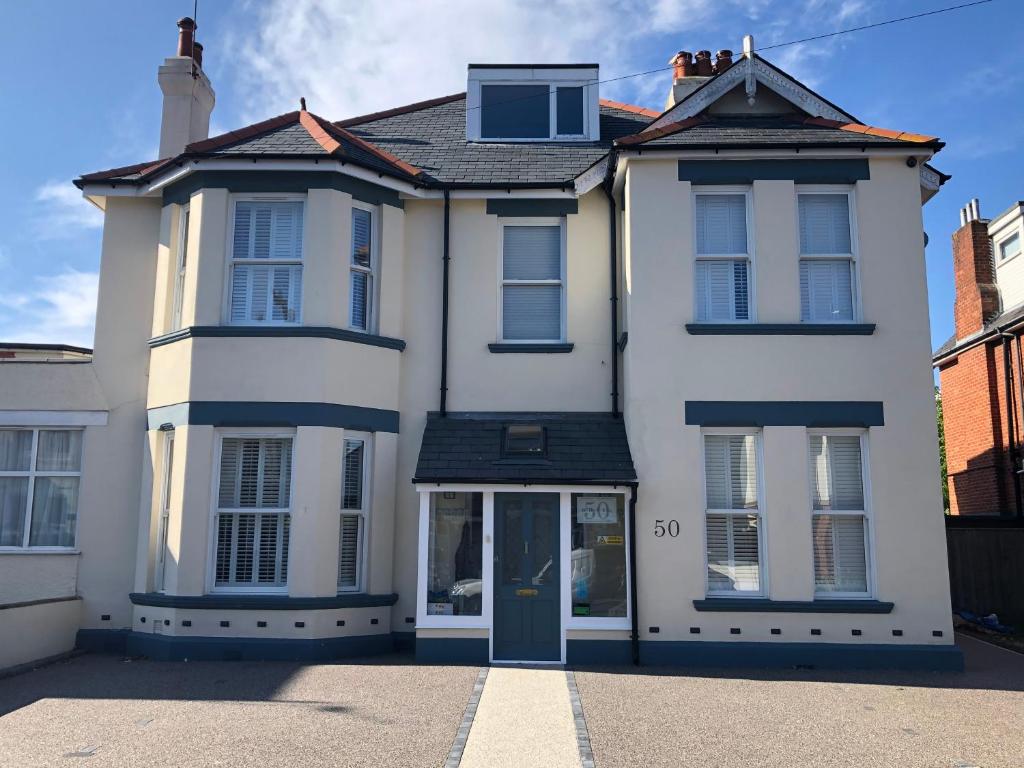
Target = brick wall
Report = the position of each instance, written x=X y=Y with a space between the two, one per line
x=977 y=297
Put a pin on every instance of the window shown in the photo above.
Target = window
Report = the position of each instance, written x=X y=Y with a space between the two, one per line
x=723 y=260
x=362 y=269
x=524 y=440
x=455 y=554
x=165 y=513
x=532 y=284
x=179 y=270
x=515 y=111
x=569 y=104
x=533 y=111
x=1009 y=247
x=354 y=508
x=252 y=518
x=827 y=291
x=598 y=555
x=40 y=471
x=839 y=520
x=732 y=514
x=266 y=262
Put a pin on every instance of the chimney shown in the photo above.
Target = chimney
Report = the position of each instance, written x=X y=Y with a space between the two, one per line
x=974 y=273
x=688 y=75
x=188 y=95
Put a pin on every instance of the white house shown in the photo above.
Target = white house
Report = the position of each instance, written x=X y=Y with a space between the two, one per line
x=514 y=374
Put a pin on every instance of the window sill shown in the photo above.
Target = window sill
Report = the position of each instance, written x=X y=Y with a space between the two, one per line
x=277 y=331
x=780 y=329
x=262 y=602
x=39 y=551
x=528 y=348
x=763 y=605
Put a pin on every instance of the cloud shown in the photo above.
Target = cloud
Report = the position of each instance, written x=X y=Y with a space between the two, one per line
x=57 y=308
x=65 y=212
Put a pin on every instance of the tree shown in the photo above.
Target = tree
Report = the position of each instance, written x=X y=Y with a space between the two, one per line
x=942 y=450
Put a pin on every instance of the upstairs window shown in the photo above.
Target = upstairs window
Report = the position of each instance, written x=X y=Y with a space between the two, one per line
x=515 y=112
x=532 y=282
x=827 y=286
x=1009 y=247
x=723 y=258
x=181 y=263
x=266 y=262
x=362 y=269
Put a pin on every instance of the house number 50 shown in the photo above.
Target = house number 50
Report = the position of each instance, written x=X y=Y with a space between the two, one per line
x=661 y=528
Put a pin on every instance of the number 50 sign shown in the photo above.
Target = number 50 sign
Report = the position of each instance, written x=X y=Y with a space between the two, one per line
x=596 y=509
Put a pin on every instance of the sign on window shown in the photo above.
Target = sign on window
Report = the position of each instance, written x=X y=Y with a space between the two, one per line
x=596 y=509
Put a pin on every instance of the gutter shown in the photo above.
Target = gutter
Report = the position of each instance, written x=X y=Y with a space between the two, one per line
x=613 y=242
x=446 y=258
x=1011 y=417
x=634 y=637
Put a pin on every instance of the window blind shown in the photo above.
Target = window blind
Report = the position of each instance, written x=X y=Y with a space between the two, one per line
x=348 y=552
x=532 y=283
x=721 y=224
x=268 y=231
x=723 y=291
x=731 y=471
x=839 y=524
x=353 y=505
x=732 y=519
x=826 y=290
x=824 y=224
x=361 y=288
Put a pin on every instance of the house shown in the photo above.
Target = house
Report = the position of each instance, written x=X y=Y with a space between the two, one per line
x=980 y=365
x=514 y=374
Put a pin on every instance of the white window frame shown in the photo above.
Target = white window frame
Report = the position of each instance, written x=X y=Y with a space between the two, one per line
x=167 y=470
x=231 y=261
x=558 y=221
x=373 y=271
x=853 y=257
x=762 y=532
x=553 y=77
x=593 y=622
x=32 y=473
x=211 y=571
x=869 y=523
x=1003 y=241
x=180 y=266
x=748 y=194
x=363 y=513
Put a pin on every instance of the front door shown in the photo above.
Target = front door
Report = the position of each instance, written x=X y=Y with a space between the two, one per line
x=527 y=623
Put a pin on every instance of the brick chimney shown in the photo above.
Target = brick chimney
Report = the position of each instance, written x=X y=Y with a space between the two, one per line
x=974 y=273
x=188 y=95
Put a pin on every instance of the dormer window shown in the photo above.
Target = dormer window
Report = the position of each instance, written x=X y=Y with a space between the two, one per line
x=510 y=103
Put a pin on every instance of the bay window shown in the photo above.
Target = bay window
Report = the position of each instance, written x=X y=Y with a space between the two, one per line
x=40 y=471
x=732 y=517
x=252 y=517
x=266 y=262
x=827 y=273
x=723 y=258
x=839 y=518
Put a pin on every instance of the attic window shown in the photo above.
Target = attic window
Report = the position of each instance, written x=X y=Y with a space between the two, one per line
x=524 y=440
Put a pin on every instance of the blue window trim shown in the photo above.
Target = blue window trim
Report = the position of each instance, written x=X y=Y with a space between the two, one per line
x=280 y=332
x=780 y=329
x=225 y=413
x=755 y=605
x=784 y=413
x=548 y=349
x=262 y=602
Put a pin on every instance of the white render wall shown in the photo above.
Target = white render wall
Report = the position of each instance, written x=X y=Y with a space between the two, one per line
x=665 y=367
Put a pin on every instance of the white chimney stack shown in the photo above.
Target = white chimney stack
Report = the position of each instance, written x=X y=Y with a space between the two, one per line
x=188 y=95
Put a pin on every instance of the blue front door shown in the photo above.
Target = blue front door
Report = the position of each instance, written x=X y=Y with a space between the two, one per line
x=527 y=626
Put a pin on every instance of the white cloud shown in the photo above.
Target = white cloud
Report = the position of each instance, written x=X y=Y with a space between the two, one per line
x=58 y=309
x=65 y=212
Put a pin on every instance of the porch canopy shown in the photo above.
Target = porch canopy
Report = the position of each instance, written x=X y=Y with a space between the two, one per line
x=553 y=448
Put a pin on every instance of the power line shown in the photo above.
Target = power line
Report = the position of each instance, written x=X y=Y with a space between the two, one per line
x=823 y=36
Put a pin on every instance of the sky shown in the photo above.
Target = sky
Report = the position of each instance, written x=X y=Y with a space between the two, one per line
x=80 y=94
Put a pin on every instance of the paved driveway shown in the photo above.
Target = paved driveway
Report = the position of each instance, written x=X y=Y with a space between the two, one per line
x=104 y=711
x=803 y=718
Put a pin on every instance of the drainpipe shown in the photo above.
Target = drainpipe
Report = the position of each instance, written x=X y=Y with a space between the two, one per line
x=634 y=638
x=1020 y=390
x=1010 y=418
x=446 y=259
x=612 y=250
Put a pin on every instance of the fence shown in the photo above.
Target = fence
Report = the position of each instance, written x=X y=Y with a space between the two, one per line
x=986 y=566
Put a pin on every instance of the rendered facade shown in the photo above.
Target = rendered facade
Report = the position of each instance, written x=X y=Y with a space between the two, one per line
x=516 y=374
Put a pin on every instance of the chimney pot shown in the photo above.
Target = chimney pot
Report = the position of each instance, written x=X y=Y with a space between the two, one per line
x=683 y=65
x=723 y=60
x=704 y=66
x=186 y=36
x=197 y=54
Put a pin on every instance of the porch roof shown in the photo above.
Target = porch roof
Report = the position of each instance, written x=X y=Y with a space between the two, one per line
x=580 y=448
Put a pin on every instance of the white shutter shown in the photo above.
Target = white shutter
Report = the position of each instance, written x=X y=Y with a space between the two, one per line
x=721 y=224
x=826 y=290
x=840 y=558
x=837 y=472
x=532 y=253
x=531 y=297
x=733 y=553
x=348 y=551
x=732 y=539
x=266 y=231
x=532 y=312
x=361 y=274
x=352 y=475
x=731 y=471
x=825 y=224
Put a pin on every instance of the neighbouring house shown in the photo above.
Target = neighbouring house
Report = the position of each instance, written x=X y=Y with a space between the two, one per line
x=515 y=374
x=980 y=365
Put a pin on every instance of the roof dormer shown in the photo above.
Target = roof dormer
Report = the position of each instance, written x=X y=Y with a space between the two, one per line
x=532 y=102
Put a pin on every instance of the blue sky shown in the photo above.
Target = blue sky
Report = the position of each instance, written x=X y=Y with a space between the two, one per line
x=80 y=95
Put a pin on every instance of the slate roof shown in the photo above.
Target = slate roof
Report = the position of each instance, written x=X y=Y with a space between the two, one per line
x=1011 y=316
x=581 y=448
